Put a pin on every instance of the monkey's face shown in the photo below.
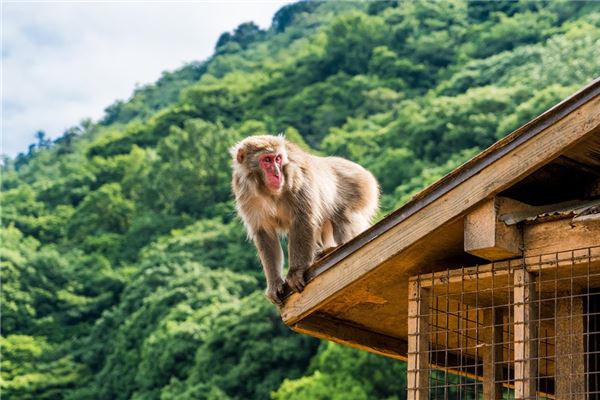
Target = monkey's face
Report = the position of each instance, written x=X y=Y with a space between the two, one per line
x=271 y=166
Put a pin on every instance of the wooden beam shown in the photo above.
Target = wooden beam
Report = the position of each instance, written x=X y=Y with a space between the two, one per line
x=547 y=245
x=570 y=354
x=403 y=228
x=492 y=353
x=525 y=335
x=560 y=235
x=486 y=236
x=418 y=342
x=342 y=332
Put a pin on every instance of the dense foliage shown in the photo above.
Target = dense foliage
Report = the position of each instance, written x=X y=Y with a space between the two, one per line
x=125 y=274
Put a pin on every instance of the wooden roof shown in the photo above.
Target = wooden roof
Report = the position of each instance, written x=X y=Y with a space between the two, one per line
x=357 y=295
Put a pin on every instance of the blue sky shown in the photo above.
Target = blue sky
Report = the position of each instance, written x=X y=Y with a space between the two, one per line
x=64 y=61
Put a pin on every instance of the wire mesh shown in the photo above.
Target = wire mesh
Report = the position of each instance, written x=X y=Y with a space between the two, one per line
x=527 y=328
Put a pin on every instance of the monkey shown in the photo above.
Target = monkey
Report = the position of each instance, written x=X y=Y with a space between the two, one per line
x=318 y=202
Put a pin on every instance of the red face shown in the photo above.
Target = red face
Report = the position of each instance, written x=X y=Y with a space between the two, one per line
x=271 y=163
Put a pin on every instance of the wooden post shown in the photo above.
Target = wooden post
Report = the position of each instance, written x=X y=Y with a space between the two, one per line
x=569 y=353
x=492 y=353
x=418 y=341
x=525 y=335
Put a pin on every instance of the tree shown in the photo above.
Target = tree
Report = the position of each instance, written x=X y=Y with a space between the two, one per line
x=248 y=352
x=104 y=210
x=27 y=372
x=42 y=141
x=287 y=14
x=192 y=173
x=351 y=40
x=505 y=33
x=244 y=35
x=125 y=273
x=339 y=372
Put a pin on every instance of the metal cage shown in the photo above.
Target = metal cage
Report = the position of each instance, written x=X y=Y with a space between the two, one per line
x=526 y=328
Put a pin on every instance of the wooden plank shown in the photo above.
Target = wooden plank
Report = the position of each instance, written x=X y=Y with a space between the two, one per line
x=519 y=162
x=342 y=332
x=483 y=273
x=587 y=153
x=486 y=236
x=561 y=235
x=525 y=335
x=418 y=342
x=577 y=268
x=570 y=354
x=492 y=353
x=547 y=245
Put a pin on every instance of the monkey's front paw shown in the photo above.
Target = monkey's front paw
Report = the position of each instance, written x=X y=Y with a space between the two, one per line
x=295 y=280
x=275 y=293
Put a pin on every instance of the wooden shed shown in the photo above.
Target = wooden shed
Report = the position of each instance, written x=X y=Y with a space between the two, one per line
x=487 y=282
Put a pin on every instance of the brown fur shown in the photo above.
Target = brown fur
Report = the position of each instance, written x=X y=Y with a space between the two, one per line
x=324 y=202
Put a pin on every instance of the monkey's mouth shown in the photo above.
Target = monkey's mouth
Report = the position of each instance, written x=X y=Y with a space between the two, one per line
x=274 y=183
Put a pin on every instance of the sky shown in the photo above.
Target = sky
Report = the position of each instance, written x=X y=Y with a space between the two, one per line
x=65 y=61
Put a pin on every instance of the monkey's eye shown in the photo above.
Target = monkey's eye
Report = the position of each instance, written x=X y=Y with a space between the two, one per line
x=267 y=159
x=278 y=159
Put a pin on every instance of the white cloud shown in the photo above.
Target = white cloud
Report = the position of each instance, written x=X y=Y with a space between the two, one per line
x=66 y=61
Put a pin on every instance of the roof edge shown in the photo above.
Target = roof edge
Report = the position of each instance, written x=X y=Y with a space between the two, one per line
x=459 y=175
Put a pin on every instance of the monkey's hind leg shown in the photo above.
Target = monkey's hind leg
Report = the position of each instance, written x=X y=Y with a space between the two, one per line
x=327 y=242
x=349 y=225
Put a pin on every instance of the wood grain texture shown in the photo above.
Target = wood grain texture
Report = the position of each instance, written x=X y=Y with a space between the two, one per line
x=570 y=352
x=469 y=169
x=418 y=342
x=375 y=305
x=561 y=235
x=342 y=332
x=525 y=335
x=492 y=353
x=507 y=170
x=488 y=237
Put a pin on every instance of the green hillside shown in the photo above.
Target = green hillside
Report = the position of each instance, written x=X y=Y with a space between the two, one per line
x=125 y=273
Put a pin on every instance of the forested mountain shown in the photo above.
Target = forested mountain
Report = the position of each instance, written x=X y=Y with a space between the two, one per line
x=125 y=274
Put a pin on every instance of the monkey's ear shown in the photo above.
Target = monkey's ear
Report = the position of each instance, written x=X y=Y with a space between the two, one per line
x=240 y=156
x=237 y=152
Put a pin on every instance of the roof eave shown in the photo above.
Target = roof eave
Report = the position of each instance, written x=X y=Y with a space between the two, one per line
x=300 y=305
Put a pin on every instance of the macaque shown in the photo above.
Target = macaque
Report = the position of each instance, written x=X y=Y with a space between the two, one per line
x=318 y=202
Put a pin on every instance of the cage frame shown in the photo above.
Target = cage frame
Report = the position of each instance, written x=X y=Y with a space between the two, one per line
x=546 y=292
